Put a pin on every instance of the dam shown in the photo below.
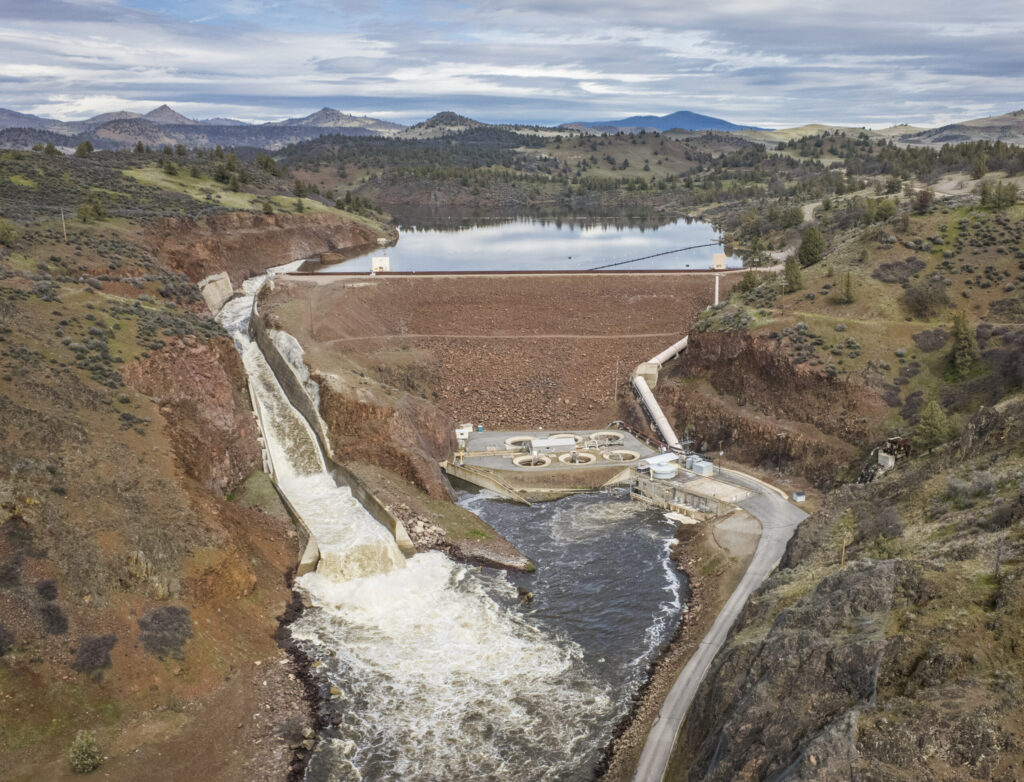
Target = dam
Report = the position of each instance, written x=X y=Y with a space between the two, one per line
x=433 y=669
x=437 y=670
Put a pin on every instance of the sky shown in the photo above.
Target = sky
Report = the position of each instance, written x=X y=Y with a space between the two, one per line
x=770 y=63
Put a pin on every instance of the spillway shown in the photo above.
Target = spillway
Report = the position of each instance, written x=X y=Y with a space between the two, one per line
x=352 y=543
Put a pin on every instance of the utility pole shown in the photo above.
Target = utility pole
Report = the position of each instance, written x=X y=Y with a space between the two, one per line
x=63 y=225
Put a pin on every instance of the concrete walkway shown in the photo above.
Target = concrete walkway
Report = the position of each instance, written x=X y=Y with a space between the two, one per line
x=779 y=519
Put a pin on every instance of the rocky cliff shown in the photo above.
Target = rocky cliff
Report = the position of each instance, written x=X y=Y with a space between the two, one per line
x=201 y=390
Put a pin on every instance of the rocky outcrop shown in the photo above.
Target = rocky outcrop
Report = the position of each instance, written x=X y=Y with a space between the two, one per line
x=740 y=393
x=246 y=243
x=408 y=436
x=773 y=709
x=201 y=390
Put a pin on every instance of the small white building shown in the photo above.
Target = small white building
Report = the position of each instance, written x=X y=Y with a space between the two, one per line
x=548 y=444
x=380 y=263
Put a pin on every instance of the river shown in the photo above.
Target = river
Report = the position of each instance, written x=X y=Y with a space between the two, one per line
x=439 y=671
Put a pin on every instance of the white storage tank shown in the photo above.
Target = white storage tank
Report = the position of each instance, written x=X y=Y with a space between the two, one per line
x=664 y=471
x=691 y=458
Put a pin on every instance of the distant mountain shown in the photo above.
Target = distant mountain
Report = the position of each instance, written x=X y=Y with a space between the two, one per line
x=680 y=120
x=165 y=115
x=128 y=132
x=86 y=125
x=441 y=124
x=222 y=121
x=110 y=116
x=164 y=125
x=332 y=118
x=15 y=119
x=789 y=134
x=1008 y=128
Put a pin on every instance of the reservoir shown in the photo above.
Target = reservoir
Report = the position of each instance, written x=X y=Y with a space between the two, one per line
x=546 y=245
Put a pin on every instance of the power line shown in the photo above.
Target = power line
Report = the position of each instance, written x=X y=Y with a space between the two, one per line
x=656 y=255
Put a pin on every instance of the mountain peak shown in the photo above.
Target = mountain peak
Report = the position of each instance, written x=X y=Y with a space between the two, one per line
x=165 y=115
x=449 y=119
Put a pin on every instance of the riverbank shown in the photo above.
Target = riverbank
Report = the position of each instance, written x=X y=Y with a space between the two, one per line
x=714 y=558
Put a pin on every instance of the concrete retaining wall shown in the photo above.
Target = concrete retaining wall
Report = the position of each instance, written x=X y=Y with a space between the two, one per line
x=216 y=290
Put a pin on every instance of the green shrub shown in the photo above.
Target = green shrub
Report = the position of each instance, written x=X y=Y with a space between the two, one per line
x=7 y=236
x=85 y=753
x=927 y=298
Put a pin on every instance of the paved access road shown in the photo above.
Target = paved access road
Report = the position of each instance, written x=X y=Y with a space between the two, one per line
x=779 y=519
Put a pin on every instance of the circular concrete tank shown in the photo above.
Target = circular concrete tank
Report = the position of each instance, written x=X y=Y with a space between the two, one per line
x=621 y=455
x=531 y=461
x=579 y=457
x=608 y=438
x=519 y=441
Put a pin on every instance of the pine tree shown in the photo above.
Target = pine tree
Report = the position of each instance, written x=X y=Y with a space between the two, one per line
x=812 y=247
x=964 y=353
x=933 y=427
x=844 y=294
x=792 y=275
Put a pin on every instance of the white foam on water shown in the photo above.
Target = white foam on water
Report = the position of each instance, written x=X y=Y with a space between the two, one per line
x=669 y=607
x=589 y=520
x=450 y=683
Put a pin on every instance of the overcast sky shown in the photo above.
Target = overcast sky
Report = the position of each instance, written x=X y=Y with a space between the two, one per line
x=771 y=63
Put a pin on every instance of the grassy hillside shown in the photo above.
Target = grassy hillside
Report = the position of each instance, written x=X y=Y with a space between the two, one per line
x=883 y=648
x=138 y=601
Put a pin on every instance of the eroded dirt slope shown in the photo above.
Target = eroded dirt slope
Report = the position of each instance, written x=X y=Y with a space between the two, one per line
x=245 y=243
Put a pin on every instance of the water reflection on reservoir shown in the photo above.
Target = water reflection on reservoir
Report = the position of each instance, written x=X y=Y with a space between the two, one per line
x=546 y=245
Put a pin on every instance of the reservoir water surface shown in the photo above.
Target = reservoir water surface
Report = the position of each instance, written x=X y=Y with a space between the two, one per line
x=546 y=245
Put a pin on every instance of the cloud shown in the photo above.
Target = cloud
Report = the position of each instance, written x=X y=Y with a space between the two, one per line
x=766 y=62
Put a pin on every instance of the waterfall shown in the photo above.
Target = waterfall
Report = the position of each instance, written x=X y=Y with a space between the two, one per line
x=435 y=672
